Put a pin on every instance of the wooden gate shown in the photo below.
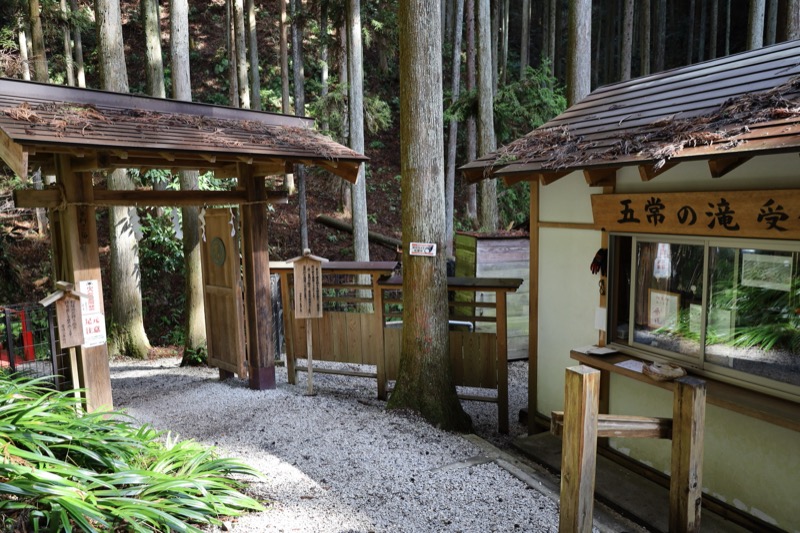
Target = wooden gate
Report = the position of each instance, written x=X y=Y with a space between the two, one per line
x=222 y=290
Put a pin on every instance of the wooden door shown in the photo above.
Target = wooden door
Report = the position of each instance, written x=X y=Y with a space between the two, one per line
x=222 y=290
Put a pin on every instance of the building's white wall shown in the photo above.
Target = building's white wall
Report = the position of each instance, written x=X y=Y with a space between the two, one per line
x=749 y=463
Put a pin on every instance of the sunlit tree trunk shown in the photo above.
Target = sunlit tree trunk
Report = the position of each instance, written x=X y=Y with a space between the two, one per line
x=425 y=383
x=195 y=325
x=233 y=74
x=487 y=190
x=356 y=112
x=128 y=336
x=77 y=47
x=452 y=135
x=154 y=64
x=39 y=56
x=241 y=54
x=626 y=52
x=299 y=110
x=22 y=37
x=67 y=38
x=323 y=59
x=252 y=50
x=755 y=24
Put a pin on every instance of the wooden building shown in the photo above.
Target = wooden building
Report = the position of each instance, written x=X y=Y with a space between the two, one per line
x=75 y=133
x=689 y=179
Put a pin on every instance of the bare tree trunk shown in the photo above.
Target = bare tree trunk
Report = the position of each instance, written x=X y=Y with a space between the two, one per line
x=233 y=75
x=39 y=56
x=286 y=106
x=627 y=41
x=67 y=37
x=452 y=135
x=195 y=325
x=525 y=38
x=77 y=46
x=644 y=38
x=488 y=215
x=154 y=64
x=23 y=51
x=580 y=51
x=252 y=49
x=344 y=77
x=241 y=53
x=425 y=383
x=728 y=27
x=771 y=24
x=504 y=28
x=495 y=36
x=298 y=72
x=323 y=59
x=792 y=22
x=660 y=34
x=701 y=46
x=472 y=137
x=690 y=33
x=713 y=30
x=356 y=112
x=755 y=24
x=128 y=335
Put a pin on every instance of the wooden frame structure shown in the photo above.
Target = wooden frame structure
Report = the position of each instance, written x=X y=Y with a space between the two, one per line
x=360 y=332
x=73 y=133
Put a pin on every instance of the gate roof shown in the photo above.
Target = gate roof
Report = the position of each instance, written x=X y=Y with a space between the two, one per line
x=726 y=111
x=112 y=130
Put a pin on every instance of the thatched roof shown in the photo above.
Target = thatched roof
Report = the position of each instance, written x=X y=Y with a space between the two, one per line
x=725 y=111
x=111 y=130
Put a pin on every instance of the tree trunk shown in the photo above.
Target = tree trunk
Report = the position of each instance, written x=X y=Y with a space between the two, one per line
x=644 y=38
x=486 y=140
x=299 y=110
x=494 y=13
x=792 y=22
x=525 y=38
x=755 y=24
x=505 y=6
x=713 y=30
x=356 y=113
x=233 y=76
x=472 y=137
x=660 y=34
x=241 y=53
x=252 y=49
x=39 y=56
x=626 y=52
x=67 y=38
x=128 y=335
x=286 y=98
x=690 y=33
x=771 y=22
x=154 y=64
x=344 y=67
x=701 y=46
x=77 y=46
x=425 y=383
x=23 y=51
x=323 y=59
x=580 y=51
x=195 y=325
x=728 y=27
x=452 y=135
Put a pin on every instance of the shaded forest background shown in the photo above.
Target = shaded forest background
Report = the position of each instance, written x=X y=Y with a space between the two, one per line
x=662 y=35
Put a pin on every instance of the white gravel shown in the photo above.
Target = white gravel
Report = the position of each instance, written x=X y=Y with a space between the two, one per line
x=338 y=461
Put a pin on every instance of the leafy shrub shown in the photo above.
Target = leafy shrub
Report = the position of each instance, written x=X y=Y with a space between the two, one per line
x=64 y=470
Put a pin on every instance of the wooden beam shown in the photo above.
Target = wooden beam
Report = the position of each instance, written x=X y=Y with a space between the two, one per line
x=630 y=427
x=579 y=449
x=52 y=198
x=14 y=156
x=533 y=309
x=721 y=166
x=648 y=172
x=686 y=474
x=601 y=176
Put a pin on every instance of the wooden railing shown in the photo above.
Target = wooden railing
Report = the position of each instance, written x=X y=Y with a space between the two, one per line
x=362 y=308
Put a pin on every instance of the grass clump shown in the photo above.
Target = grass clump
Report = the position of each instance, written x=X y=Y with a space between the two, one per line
x=62 y=469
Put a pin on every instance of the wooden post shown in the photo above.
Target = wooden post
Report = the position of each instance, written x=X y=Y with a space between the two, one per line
x=257 y=300
x=309 y=359
x=79 y=259
x=502 y=361
x=377 y=298
x=288 y=328
x=533 y=309
x=685 y=488
x=579 y=449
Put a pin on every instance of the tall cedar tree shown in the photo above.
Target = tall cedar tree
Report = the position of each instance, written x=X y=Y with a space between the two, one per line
x=425 y=383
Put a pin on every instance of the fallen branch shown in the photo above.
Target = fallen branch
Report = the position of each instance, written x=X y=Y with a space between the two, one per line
x=389 y=242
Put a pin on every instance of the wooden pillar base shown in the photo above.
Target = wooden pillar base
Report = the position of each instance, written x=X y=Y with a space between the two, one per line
x=262 y=378
x=225 y=374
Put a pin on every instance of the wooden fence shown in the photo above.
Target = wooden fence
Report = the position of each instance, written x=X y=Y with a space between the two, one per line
x=362 y=306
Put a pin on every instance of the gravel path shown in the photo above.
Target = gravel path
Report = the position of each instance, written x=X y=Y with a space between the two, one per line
x=338 y=461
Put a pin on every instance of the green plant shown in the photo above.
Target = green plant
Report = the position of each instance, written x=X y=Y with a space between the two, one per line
x=63 y=469
x=195 y=356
